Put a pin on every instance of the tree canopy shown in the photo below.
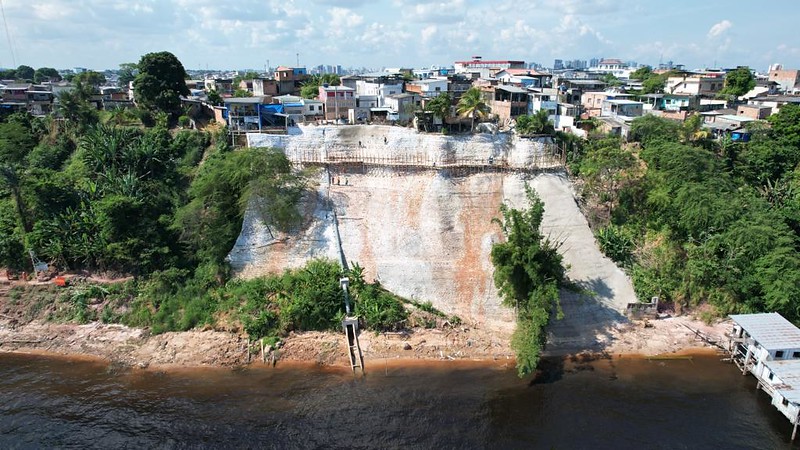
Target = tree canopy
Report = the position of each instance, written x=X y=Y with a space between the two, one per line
x=160 y=82
x=310 y=88
x=43 y=74
x=528 y=275
x=472 y=105
x=25 y=73
x=738 y=82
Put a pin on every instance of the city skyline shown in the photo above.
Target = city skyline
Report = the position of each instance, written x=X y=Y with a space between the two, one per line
x=203 y=34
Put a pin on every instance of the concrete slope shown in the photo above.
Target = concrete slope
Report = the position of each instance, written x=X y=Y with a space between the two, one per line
x=588 y=317
x=427 y=234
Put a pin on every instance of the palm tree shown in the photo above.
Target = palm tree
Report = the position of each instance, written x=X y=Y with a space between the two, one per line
x=472 y=105
x=440 y=106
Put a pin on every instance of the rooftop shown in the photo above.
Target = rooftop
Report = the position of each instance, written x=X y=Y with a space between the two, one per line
x=789 y=372
x=244 y=100
x=770 y=330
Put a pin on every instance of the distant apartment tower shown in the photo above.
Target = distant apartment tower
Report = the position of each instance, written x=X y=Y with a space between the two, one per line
x=558 y=64
x=594 y=62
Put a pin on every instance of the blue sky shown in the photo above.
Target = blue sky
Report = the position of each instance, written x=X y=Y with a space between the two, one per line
x=237 y=34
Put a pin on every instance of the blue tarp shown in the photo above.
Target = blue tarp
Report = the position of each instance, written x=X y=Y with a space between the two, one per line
x=272 y=109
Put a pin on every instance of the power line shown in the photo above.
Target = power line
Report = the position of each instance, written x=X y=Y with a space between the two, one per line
x=8 y=35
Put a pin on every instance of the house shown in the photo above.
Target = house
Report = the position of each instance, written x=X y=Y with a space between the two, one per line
x=486 y=68
x=403 y=106
x=788 y=80
x=15 y=92
x=613 y=66
x=290 y=79
x=428 y=88
x=380 y=84
x=523 y=77
x=768 y=346
x=754 y=112
x=249 y=113
x=730 y=125
x=507 y=102
x=592 y=102
x=694 y=85
x=223 y=86
x=39 y=100
x=543 y=99
x=621 y=107
x=775 y=102
x=264 y=86
x=573 y=88
x=457 y=85
x=337 y=100
x=672 y=102
x=312 y=109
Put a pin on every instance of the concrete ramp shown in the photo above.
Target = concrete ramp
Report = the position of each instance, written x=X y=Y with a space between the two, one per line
x=588 y=317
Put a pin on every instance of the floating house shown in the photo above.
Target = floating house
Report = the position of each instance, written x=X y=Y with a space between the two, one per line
x=768 y=346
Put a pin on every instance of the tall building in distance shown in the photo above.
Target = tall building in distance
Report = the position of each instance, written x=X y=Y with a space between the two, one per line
x=558 y=64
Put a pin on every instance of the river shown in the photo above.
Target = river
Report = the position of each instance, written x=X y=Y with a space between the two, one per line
x=50 y=402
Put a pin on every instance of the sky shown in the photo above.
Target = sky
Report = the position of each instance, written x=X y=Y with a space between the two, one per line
x=241 y=34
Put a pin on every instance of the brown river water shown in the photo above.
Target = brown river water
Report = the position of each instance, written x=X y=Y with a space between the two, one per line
x=702 y=403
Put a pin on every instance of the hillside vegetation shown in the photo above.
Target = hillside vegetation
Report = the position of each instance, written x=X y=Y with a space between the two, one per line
x=701 y=222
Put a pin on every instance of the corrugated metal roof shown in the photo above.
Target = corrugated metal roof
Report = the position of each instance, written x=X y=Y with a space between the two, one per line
x=789 y=373
x=770 y=330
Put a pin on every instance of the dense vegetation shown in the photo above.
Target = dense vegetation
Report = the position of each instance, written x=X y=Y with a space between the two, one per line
x=528 y=274
x=697 y=221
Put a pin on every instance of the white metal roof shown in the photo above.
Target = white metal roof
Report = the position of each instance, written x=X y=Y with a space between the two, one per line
x=770 y=330
x=789 y=373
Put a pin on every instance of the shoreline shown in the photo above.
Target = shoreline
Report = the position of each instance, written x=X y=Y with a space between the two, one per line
x=122 y=347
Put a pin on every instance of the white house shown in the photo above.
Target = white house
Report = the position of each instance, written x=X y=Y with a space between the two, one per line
x=768 y=346
x=428 y=88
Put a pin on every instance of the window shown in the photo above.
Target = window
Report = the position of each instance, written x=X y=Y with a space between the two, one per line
x=771 y=375
x=785 y=401
x=796 y=355
x=779 y=354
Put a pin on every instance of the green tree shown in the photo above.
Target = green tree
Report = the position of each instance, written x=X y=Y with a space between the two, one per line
x=242 y=93
x=25 y=73
x=642 y=73
x=738 y=82
x=90 y=78
x=528 y=274
x=160 y=83
x=537 y=123
x=473 y=105
x=786 y=125
x=310 y=88
x=440 y=106
x=16 y=141
x=249 y=75
x=127 y=72
x=43 y=74
x=214 y=98
x=650 y=129
x=607 y=168
x=654 y=84
x=610 y=79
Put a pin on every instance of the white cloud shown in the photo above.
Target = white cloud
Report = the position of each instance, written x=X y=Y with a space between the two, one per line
x=719 y=28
